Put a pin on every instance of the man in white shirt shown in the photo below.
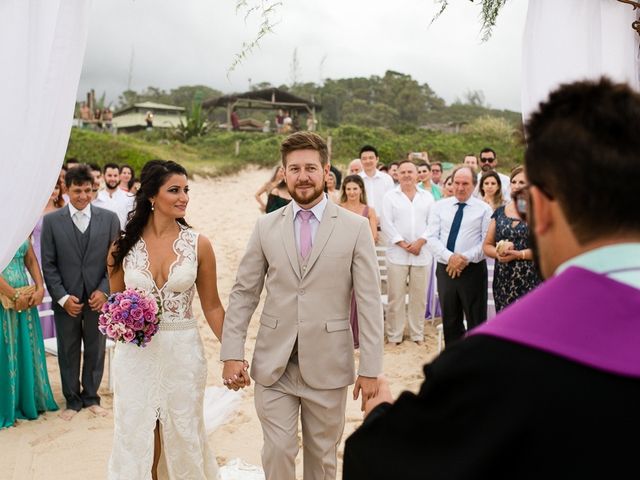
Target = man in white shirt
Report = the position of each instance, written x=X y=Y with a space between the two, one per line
x=455 y=233
x=112 y=197
x=405 y=214
x=488 y=162
x=376 y=183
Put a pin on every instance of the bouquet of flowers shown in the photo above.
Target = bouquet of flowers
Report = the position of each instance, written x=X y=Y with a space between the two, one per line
x=131 y=316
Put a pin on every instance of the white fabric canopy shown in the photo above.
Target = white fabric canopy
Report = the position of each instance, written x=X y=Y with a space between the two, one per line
x=571 y=40
x=43 y=43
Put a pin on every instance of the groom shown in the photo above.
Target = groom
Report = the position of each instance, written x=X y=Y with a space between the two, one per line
x=75 y=242
x=310 y=254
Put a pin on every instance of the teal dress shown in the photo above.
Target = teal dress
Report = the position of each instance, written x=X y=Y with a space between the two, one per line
x=24 y=385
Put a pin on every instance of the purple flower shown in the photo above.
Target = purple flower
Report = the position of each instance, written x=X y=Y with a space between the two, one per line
x=125 y=304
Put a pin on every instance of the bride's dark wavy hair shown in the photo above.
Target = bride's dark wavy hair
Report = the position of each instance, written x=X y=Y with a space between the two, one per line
x=154 y=174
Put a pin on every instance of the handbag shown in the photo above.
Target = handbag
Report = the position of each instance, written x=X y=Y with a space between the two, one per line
x=9 y=304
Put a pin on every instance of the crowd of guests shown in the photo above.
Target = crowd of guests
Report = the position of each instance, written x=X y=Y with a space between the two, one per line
x=54 y=287
x=439 y=231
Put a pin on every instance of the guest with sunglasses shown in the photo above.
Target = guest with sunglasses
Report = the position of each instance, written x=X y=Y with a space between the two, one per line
x=507 y=241
x=489 y=162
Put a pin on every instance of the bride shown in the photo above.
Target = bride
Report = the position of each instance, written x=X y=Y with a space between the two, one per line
x=159 y=389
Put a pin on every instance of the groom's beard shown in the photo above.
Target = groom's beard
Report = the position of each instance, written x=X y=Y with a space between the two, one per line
x=534 y=244
x=310 y=195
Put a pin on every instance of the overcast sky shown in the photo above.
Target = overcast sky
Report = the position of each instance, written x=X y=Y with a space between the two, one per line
x=188 y=42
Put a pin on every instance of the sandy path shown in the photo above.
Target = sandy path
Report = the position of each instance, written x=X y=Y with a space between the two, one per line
x=223 y=209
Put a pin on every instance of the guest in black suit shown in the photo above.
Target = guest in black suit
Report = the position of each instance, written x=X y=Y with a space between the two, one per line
x=455 y=233
x=75 y=241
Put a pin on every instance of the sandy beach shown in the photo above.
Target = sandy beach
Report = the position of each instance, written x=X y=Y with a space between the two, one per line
x=225 y=211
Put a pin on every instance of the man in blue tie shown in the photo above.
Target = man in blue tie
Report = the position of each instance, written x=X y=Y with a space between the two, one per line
x=456 y=228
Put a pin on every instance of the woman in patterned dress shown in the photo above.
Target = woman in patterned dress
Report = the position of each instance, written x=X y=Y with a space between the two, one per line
x=507 y=241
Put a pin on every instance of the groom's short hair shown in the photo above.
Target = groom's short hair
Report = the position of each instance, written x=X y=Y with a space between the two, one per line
x=304 y=141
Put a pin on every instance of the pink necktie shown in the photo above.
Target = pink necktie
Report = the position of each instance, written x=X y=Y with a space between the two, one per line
x=305 y=232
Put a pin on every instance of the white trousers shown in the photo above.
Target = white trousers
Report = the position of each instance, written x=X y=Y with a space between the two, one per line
x=399 y=278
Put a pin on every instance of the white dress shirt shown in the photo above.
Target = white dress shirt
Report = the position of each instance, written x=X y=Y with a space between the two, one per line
x=473 y=229
x=405 y=219
x=505 y=184
x=72 y=211
x=314 y=221
x=376 y=187
x=120 y=203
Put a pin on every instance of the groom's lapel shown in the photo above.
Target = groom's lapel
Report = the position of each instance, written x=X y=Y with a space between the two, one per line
x=323 y=234
x=289 y=239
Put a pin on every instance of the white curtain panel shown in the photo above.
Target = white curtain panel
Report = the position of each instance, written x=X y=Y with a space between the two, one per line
x=42 y=45
x=569 y=40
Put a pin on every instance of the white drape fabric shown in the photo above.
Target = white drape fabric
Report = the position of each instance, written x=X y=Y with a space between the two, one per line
x=571 y=40
x=42 y=47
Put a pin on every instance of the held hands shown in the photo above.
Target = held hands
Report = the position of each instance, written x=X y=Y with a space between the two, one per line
x=22 y=303
x=73 y=306
x=383 y=396
x=414 y=247
x=235 y=374
x=457 y=263
x=369 y=388
x=96 y=300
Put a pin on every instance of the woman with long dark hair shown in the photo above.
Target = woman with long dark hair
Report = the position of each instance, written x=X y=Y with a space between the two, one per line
x=159 y=389
x=491 y=189
x=127 y=178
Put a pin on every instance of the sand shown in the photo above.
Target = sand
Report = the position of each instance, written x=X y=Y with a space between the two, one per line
x=225 y=211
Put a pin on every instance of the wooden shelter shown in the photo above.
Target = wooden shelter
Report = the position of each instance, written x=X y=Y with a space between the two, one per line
x=132 y=118
x=267 y=99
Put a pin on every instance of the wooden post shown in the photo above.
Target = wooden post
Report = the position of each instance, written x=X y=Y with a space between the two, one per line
x=329 y=142
x=237 y=147
x=229 y=118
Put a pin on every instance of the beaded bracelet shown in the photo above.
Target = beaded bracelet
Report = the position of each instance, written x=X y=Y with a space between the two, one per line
x=15 y=297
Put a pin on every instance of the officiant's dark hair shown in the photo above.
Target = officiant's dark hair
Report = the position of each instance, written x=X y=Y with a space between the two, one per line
x=154 y=174
x=580 y=143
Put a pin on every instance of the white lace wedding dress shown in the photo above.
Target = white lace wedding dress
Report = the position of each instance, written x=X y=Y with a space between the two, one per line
x=164 y=381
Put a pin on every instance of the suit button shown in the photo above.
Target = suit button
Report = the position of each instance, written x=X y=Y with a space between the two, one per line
x=301 y=291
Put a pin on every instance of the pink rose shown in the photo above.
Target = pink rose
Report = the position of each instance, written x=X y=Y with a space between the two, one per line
x=137 y=313
x=128 y=335
x=112 y=332
x=143 y=304
x=117 y=316
x=125 y=304
x=148 y=316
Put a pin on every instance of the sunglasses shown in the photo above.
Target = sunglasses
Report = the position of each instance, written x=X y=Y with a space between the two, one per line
x=486 y=160
x=522 y=200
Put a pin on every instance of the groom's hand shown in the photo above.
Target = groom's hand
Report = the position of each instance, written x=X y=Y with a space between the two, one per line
x=368 y=386
x=235 y=374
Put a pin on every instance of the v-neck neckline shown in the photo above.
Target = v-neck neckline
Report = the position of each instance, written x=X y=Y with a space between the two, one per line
x=173 y=264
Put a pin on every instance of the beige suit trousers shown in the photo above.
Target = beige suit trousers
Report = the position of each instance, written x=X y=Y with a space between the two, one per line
x=322 y=414
x=398 y=276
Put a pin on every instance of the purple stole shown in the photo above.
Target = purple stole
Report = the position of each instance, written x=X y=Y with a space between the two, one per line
x=580 y=315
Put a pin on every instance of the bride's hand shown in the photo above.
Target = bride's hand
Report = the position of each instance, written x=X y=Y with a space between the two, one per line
x=235 y=374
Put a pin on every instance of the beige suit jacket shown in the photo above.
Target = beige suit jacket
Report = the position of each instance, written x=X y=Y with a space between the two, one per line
x=311 y=306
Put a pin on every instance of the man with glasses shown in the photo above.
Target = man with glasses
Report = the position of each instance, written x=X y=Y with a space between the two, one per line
x=549 y=388
x=488 y=162
x=436 y=173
